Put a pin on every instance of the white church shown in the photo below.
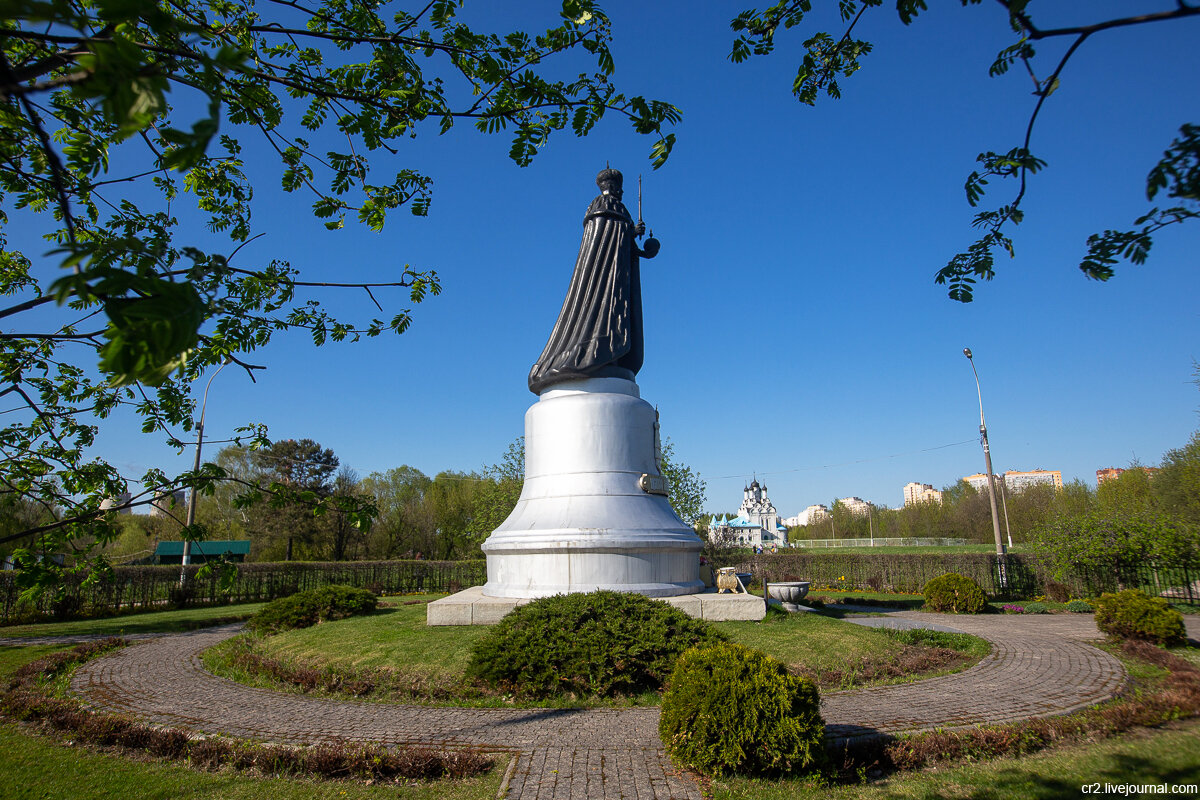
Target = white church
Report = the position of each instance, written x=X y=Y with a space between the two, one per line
x=757 y=522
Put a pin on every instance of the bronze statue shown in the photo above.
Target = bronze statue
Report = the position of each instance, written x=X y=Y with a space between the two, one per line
x=599 y=329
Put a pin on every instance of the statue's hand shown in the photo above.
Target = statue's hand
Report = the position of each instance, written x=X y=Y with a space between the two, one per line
x=639 y=228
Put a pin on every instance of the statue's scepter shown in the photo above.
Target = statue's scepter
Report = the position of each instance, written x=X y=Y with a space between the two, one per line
x=640 y=223
x=650 y=248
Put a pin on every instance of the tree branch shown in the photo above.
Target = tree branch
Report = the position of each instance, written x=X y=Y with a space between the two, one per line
x=359 y=38
x=1045 y=91
x=56 y=168
x=26 y=306
x=1036 y=33
x=42 y=416
x=400 y=283
x=52 y=336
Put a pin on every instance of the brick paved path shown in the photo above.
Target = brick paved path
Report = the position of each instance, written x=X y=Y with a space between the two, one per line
x=1039 y=666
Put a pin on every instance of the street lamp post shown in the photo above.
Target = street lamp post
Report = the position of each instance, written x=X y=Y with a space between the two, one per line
x=191 y=512
x=987 y=460
x=1004 y=505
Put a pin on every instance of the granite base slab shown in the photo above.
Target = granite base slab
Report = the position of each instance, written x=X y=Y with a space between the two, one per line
x=472 y=607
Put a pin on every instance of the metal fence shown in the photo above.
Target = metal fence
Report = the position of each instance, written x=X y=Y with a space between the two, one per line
x=879 y=541
x=1024 y=575
x=137 y=588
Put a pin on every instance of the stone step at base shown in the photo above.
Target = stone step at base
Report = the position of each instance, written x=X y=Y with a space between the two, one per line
x=471 y=607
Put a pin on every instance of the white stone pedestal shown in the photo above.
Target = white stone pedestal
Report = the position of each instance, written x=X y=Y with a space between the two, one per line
x=583 y=521
x=471 y=607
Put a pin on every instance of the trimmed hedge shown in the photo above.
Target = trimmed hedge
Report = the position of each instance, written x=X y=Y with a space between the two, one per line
x=1027 y=574
x=1133 y=615
x=893 y=572
x=305 y=609
x=129 y=589
x=596 y=644
x=955 y=593
x=731 y=709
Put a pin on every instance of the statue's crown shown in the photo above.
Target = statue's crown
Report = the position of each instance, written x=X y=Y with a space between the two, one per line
x=609 y=177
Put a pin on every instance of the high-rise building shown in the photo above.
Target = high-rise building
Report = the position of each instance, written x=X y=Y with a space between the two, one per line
x=921 y=493
x=167 y=503
x=1108 y=473
x=809 y=516
x=120 y=502
x=856 y=505
x=1015 y=480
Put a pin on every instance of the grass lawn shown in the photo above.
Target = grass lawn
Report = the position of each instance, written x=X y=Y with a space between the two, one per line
x=820 y=643
x=13 y=657
x=811 y=640
x=397 y=638
x=37 y=767
x=912 y=550
x=1170 y=755
x=393 y=636
x=147 y=622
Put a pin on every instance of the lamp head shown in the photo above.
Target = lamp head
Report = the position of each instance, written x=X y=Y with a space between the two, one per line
x=967 y=352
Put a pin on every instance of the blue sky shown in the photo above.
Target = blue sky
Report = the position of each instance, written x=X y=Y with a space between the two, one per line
x=792 y=326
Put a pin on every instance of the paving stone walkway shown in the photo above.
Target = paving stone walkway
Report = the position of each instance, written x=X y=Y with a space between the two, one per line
x=1040 y=666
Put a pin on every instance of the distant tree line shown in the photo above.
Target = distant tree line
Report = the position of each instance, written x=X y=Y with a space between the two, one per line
x=318 y=515
x=1170 y=492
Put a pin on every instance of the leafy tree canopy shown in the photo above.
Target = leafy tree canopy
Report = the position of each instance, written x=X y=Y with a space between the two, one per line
x=115 y=115
x=1117 y=543
x=498 y=492
x=1177 y=482
x=685 y=486
x=1174 y=182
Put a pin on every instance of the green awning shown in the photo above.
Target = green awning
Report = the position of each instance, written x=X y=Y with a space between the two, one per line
x=211 y=548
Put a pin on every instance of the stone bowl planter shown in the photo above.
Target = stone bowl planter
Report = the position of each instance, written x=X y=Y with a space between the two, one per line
x=745 y=578
x=788 y=593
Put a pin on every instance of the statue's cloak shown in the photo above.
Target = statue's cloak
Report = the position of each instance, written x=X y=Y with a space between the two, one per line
x=599 y=329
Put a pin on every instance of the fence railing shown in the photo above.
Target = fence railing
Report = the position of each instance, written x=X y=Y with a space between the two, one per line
x=879 y=541
x=1025 y=575
x=146 y=587
x=136 y=588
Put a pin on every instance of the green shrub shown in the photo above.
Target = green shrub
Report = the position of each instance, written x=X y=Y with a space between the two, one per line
x=955 y=593
x=1036 y=608
x=1080 y=607
x=601 y=644
x=305 y=609
x=1058 y=592
x=731 y=709
x=1135 y=615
